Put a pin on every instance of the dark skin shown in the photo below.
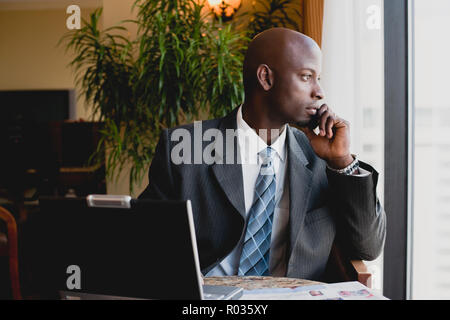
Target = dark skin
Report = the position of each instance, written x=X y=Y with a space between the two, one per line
x=282 y=85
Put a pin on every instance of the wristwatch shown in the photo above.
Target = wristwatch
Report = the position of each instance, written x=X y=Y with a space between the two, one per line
x=350 y=169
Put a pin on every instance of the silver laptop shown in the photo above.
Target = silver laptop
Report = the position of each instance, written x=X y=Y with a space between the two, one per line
x=116 y=247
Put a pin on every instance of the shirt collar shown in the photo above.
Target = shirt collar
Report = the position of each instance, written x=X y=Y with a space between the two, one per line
x=279 y=145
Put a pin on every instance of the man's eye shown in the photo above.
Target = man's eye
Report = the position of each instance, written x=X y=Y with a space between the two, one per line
x=306 y=77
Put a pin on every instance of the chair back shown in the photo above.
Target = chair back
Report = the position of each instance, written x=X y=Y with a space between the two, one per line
x=340 y=269
x=11 y=251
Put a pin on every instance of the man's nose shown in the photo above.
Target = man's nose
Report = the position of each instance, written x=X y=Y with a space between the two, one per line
x=318 y=93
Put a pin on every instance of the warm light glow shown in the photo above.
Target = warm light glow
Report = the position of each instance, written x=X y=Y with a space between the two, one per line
x=224 y=8
x=213 y=3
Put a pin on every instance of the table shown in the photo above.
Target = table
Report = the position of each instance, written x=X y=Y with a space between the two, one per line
x=250 y=283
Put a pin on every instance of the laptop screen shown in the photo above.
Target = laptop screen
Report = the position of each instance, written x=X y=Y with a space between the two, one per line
x=145 y=251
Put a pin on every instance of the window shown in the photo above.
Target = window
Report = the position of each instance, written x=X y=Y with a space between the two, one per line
x=431 y=218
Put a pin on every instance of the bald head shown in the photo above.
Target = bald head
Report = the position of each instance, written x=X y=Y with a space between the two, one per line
x=278 y=48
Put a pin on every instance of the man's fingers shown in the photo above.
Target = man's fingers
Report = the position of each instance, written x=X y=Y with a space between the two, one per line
x=327 y=120
x=320 y=113
x=329 y=126
x=322 y=109
x=322 y=123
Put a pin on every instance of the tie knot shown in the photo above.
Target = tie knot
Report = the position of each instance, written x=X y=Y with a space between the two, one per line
x=267 y=168
x=267 y=155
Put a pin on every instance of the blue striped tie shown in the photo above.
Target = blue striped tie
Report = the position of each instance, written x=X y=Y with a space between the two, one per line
x=255 y=251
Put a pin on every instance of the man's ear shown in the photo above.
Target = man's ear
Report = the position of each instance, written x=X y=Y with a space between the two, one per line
x=265 y=76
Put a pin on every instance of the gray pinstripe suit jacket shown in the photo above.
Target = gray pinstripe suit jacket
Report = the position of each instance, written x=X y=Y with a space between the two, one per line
x=324 y=206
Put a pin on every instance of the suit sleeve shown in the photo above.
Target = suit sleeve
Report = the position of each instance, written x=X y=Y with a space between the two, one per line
x=160 y=175
x=360 y=218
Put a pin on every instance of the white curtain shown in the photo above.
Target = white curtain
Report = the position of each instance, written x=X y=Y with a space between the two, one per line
x=353 y=80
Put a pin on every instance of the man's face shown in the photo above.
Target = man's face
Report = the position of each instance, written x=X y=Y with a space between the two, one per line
x=296 y=94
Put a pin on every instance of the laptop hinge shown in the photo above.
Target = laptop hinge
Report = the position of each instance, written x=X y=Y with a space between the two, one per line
x=108 y=201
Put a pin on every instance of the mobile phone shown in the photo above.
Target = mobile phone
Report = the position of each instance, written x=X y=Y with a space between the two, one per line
x=313 y=123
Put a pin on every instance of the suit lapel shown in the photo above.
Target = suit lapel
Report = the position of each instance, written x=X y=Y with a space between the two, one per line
x=229 y=176
x=299 y=187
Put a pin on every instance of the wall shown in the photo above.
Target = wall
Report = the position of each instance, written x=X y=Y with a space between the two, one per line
x=29 y=55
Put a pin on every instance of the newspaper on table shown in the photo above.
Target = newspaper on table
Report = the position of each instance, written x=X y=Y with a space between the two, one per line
x=335 y=291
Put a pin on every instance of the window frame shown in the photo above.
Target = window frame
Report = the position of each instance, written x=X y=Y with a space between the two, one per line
x=399 y=147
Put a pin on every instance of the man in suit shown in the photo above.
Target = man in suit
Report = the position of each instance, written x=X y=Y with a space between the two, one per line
x=286 y=196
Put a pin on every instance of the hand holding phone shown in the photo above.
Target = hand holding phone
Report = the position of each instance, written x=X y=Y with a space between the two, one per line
x=333 y=141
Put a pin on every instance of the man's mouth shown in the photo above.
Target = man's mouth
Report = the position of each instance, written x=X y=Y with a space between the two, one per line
x=311 y=111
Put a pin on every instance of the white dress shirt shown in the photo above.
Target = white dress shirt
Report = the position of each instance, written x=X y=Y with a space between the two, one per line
x=249 y=145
